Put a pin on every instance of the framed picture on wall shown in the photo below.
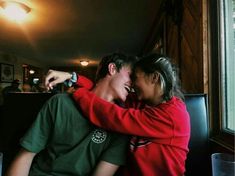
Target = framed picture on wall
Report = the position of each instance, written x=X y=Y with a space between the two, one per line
x=6 y=72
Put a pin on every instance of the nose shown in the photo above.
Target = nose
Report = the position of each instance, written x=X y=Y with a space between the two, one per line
x=129 y=81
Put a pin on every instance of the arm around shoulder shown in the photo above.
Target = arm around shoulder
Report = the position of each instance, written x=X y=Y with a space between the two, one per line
x=21 y=164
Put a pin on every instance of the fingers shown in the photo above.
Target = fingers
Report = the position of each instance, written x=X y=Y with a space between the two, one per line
x=54 y=82
x=50 y=75
x=54 y=77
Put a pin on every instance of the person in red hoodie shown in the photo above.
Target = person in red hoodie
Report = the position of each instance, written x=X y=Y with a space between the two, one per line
x=160 y=127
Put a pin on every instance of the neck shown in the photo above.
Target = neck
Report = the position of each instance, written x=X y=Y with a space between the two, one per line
x=158 y=98
x=102 y=90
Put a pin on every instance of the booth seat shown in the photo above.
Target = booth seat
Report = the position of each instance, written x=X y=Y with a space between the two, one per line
x=198 y=159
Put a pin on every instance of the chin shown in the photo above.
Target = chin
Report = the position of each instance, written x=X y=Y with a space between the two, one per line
x=123 y=99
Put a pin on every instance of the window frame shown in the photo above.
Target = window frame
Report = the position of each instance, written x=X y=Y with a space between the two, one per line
x=217 y=133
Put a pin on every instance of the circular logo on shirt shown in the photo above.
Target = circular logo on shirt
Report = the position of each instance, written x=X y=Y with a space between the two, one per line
x=99 y=136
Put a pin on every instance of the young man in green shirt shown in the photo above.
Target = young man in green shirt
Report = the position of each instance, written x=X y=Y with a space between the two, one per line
x=62 y=142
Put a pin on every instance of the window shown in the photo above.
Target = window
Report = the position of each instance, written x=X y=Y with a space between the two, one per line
x=222 y=65
x=227 y=11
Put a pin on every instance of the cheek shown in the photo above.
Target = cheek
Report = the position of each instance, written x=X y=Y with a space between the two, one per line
x=139 y=88
x=141 y=84
x=144 y=90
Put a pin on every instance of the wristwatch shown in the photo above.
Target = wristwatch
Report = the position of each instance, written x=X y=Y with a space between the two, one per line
x=70 y=82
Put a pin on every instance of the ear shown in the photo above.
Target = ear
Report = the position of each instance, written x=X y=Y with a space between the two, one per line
x=112 y=68
x=155 y=77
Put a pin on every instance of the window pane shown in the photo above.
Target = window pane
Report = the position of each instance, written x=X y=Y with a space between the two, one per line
x=228 y=65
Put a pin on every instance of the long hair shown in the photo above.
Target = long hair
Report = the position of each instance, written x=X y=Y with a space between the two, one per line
x=169 y=81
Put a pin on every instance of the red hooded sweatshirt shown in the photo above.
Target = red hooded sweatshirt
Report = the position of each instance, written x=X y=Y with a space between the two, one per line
x=159 y=145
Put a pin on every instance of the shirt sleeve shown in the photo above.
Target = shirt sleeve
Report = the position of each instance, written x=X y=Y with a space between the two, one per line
x=116 y=152
x=36 y=137
x=146 y=122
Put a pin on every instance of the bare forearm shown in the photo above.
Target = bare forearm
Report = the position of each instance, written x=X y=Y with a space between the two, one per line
x=21 y=164
x=105 y=169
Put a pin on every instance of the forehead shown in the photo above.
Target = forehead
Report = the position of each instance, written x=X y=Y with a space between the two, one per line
x=126 y=68
x=138 y=72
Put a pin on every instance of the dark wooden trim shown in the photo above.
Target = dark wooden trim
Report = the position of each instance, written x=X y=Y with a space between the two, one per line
x=217 y=135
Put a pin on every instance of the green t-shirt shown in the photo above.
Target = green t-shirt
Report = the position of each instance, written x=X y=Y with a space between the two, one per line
x=67 y=143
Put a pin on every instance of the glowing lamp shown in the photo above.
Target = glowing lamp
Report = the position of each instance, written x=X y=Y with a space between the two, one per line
x=84 y=63
x=13 y=10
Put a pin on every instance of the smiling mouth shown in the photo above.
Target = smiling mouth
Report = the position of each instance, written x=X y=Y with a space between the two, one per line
x=128 y=89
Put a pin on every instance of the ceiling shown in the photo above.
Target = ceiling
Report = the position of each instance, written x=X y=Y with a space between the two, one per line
x=63 y=32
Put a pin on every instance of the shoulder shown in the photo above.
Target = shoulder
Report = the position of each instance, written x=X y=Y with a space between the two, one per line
x=60 y=99
x=61 y=105
x=177 y=107
x=172 y=107
x=174 y=101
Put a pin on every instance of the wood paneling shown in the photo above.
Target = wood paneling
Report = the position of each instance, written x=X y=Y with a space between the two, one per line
x=191 y=47
x=186 y=41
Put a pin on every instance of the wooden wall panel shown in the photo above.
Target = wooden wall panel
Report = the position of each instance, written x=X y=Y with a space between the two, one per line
x=188 y=37
x=171 y=42
x=185 y=40
x=191 y=47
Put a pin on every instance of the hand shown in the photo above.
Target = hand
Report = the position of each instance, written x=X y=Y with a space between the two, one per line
x=54 y=77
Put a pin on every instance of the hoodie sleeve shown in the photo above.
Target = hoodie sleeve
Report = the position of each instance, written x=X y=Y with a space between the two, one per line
x=83 y=81
x=146 y=122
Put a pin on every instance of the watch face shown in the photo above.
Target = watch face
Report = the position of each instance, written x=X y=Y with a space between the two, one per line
x=74 y=77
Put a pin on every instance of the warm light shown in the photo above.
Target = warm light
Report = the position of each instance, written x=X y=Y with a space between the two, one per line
x=14 y=10
x=84 y=63
x=31 y=72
